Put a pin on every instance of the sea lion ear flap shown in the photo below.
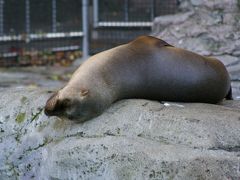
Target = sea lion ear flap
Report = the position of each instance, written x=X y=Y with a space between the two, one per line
x=84 y=92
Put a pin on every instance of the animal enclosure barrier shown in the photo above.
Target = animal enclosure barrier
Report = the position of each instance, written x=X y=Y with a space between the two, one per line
x=43 y=32
x=119 y=21
x=36 y=32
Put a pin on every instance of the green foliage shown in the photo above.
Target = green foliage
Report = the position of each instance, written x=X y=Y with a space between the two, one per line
x=20 y=117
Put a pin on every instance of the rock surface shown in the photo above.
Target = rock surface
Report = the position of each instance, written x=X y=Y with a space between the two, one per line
x=206 y=31
x=133 y=139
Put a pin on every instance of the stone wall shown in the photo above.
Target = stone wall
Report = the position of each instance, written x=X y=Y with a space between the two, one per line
x=208 y=27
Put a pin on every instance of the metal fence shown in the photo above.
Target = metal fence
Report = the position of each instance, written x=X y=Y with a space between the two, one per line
x=33 y=31
x=40 y=32
x=119 y=21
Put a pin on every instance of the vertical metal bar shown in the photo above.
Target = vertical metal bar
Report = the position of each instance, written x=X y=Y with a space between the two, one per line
x=85 y=42
x=126 y=10
x=1 y=17
x=152 y=10
x=95 y=13
x=54 y=16
x=27 y=16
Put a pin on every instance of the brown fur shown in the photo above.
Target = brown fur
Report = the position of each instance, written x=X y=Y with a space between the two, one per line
x=146 y=68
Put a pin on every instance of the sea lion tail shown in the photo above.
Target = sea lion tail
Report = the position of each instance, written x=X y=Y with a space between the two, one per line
x=229 y=94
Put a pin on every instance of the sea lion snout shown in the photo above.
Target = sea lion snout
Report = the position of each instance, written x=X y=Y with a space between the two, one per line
x=50 y=107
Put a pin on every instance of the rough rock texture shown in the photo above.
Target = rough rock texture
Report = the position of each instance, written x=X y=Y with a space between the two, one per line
x=208 y=27
x=134 y=139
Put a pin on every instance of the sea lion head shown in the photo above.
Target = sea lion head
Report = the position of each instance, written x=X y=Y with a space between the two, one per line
x=76 y=105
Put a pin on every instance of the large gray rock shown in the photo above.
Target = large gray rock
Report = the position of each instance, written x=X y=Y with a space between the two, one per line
x=133 y=139
x=207 y=27
x=224 y=5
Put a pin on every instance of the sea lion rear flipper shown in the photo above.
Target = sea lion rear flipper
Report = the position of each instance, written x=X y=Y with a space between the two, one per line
x=162 y=43
x=229 y=95
x=150 y=40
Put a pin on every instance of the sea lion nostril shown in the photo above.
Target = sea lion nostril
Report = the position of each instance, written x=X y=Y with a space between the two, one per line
x=51 y=111
x=48 y=110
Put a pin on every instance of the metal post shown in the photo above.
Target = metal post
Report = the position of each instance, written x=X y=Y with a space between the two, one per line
x=85 y=42
x=1 y=17
x=95 y=13
x=126 y=7
x=152 y=10
x=27 y=16
x=54 y=16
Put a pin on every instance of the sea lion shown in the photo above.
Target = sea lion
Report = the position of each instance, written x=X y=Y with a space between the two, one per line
x=146 y=68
